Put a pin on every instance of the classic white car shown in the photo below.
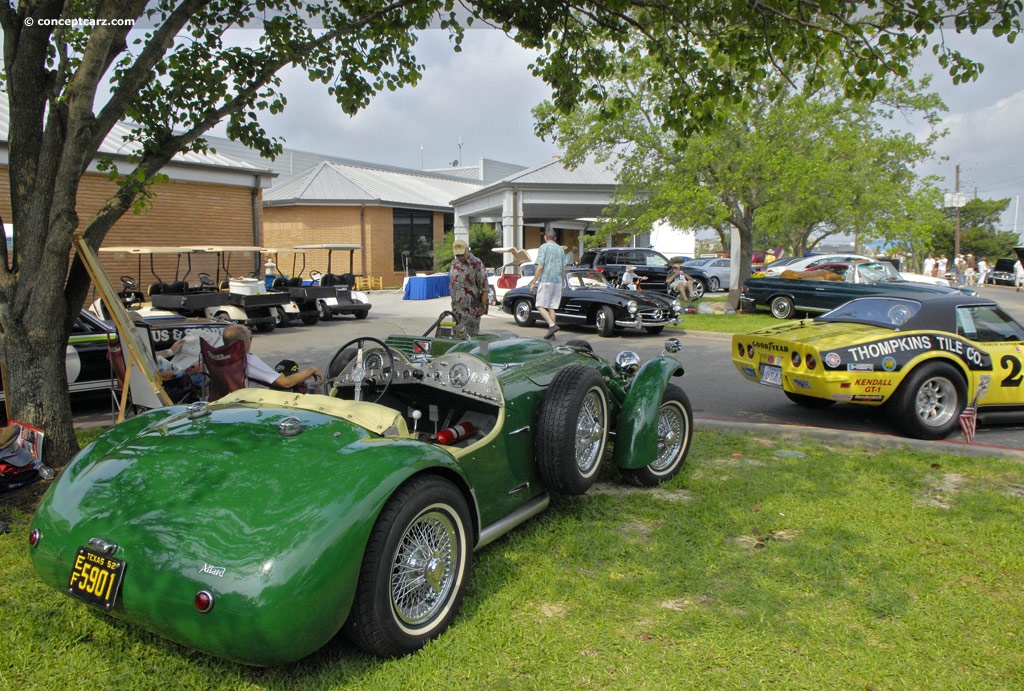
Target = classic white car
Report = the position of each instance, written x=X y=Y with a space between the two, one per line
x=517 y=273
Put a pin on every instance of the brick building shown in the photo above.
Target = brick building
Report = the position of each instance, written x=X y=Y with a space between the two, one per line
x=207 y=199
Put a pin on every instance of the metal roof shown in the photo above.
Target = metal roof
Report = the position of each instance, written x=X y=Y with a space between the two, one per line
x=116 y=144
x=337 y=183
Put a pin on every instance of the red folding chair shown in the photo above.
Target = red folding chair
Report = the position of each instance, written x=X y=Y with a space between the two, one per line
x=225 y=365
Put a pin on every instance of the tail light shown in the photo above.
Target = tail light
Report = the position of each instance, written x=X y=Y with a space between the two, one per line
x=811 y=361
x=204 y=601
x=795 y=359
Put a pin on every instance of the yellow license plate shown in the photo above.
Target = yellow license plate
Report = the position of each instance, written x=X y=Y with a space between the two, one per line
x=95 y=578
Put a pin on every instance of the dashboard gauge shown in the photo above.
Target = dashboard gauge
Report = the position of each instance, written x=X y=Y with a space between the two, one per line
x=374 y=362
x=458 y=375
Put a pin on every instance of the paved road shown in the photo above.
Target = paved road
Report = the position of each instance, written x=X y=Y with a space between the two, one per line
x=717 y=392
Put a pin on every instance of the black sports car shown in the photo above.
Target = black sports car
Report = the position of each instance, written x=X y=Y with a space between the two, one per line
x=1001 y=273
x=588 y=299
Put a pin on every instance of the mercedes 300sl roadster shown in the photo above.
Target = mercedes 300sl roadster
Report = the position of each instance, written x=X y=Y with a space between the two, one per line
x=256 y=527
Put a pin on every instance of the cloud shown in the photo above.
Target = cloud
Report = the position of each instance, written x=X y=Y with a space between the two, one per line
x=482 y=96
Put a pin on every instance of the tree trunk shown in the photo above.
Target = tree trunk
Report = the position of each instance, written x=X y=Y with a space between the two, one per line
x=37 y=386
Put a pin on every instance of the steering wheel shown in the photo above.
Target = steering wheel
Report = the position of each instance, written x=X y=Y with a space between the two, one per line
x=315 y=276
x=205 y=280
x=128 y=283
x=378 y=364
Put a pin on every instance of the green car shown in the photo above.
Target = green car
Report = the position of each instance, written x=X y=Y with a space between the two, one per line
x=257 y=527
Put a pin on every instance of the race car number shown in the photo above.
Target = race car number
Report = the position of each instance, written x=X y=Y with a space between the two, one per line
x=1014 y=378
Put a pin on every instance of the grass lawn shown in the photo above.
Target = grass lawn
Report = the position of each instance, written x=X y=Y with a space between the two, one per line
x=765 y=563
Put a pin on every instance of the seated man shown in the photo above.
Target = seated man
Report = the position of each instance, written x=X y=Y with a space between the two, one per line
x=260 y=374
x=679 y=283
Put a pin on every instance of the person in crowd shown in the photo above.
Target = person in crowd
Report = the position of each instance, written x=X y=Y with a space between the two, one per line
x=547 y=281
x=262 y=375
x=1018 y=275
x=679 y=283
x=940 y=266
x=982 y=271
x=468 y=284
x=928 y=268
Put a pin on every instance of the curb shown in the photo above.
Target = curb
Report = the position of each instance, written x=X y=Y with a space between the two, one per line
x=873 y=440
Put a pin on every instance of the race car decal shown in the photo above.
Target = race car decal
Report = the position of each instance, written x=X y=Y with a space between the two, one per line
x=891 y=354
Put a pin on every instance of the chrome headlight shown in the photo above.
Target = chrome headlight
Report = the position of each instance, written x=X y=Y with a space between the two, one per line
x=677 y=306
x=627 y=363
x=673 y=345
x=631 y=306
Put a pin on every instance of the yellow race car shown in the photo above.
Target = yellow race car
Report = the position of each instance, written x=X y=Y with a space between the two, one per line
x=926 y=357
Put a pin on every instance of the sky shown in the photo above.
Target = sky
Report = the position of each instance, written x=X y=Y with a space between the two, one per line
x=476 y=104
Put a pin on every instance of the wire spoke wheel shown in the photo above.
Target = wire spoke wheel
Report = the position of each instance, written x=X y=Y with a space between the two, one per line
x=590 y=431
x=423 y=576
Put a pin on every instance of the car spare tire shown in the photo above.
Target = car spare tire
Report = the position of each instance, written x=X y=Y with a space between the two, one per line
x=572 y=430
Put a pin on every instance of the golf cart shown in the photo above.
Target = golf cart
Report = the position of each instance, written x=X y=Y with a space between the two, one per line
x=344 y=300
x=242 y=300
x=314 y=301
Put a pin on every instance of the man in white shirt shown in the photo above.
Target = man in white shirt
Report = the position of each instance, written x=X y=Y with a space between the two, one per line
x=262 y=375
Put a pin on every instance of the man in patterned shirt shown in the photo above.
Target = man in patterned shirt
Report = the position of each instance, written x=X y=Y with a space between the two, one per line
x=468 y=280
x=547 y=282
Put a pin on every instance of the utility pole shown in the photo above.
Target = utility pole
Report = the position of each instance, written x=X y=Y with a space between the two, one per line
x=956 y=235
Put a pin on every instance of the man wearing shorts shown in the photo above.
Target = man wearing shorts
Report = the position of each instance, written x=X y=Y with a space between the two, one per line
x=547 y=281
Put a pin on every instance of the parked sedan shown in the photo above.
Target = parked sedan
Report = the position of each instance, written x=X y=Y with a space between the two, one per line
x=589 y=300
x=716 y=268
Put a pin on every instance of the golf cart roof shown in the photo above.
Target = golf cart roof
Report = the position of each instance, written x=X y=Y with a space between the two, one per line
x=146 y=250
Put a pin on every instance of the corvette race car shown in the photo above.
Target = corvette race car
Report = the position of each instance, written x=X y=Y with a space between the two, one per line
x=256 y=527
x=925 y=357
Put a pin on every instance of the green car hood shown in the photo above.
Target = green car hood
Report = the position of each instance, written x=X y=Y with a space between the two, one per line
x=272 y=522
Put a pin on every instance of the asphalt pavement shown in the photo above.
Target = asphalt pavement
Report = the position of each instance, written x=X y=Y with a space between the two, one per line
x=721 y=398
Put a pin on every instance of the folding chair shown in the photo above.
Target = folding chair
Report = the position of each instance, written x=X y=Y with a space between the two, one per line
x=225 y=365
x=118 y=390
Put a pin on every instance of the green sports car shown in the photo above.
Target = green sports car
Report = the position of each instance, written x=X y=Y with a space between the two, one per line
x=257 y=527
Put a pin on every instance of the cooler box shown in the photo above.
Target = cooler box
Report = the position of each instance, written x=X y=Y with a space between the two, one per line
x=247 y=286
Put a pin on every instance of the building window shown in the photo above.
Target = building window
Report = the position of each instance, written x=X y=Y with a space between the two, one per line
x=414 y=234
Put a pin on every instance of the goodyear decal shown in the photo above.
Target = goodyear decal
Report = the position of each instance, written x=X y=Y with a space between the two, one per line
x=766 y=345
x=890 y=354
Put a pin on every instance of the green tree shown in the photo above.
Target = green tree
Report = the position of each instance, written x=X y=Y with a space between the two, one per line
x=789 y=169
x=178 y=75
x=979 y=230
x=483 y=238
